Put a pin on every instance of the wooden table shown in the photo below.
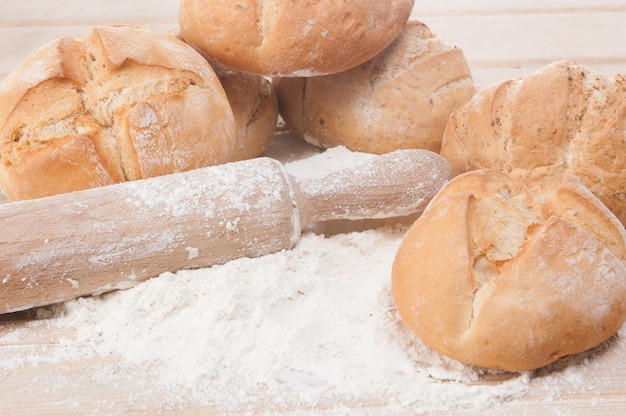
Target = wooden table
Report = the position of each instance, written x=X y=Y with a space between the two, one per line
x=501 y=39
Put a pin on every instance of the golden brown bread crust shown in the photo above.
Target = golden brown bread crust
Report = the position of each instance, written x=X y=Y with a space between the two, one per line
x=124 y=103
x=400 y=99
x=254 y=103
x=564 y=118
x=286 y=38
x=255 y=107
x=512 y=275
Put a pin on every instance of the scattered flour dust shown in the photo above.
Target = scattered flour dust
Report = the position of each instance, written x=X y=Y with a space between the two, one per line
x=296 y=329
x=301 y=329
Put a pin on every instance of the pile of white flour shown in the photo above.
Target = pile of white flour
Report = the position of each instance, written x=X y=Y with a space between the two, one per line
x=299 y=329
x=296 y=328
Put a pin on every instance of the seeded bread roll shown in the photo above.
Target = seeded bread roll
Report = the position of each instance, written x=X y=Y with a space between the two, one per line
x=255 y=107
x=512 y=274
x=564 y=118
x=400 y=99
x=122 y=104
x=291 y=38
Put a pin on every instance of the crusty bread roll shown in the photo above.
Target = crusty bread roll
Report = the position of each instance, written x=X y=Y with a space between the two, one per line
x=287 y=38
x=400 y=99
x=564 y=118
x=255 y=107
x=124 y=103
x=512 y=274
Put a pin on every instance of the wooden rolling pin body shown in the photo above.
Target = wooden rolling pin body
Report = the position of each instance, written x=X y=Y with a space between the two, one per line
x=89 y=242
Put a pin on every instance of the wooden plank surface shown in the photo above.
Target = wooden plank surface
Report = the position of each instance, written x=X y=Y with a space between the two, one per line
x=507 y=45
x=501 y=39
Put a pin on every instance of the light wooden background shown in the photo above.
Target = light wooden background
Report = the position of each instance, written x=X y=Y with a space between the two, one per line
x=501 y=39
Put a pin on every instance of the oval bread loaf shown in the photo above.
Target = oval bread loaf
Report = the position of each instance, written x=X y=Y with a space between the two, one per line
x=400 y=99
x=564 y=118
x=512 y=274
x=122 y=104
x=291 y=38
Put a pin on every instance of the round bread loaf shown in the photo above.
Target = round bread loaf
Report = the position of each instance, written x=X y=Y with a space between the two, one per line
x=122 y=104
x=564 y=118
x=400 y=99
x=255 y=107
x=512 y=274
x=287 y=38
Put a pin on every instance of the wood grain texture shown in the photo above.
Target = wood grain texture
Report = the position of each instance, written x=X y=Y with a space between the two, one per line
x=89 y=242
x=502 y=39
x=504 y=46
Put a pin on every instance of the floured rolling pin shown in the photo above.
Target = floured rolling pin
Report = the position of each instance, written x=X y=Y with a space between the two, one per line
x=89 y=242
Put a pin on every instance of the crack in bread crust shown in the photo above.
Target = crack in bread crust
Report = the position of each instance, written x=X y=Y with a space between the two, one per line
x=562 y=119
x=85 y=89
x=511 y=274
x=500 y=225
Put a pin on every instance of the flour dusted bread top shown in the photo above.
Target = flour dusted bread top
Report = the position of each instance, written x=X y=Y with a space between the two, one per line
x=287 y=38
x=512 y=274
x=564 y=118
x=399 y=99
x=121 y=104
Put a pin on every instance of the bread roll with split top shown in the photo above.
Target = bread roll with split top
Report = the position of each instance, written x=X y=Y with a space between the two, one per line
x=512 y=274
x=123 y=103
x=564 y=118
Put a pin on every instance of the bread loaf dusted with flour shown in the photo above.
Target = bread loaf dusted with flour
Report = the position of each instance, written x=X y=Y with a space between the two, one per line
x=291 y=38
x=122 y=104
x=564 y=118
x=512 y=274
x=400 y=99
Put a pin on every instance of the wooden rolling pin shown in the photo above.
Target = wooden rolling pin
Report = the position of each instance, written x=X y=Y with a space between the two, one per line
x=89 y=242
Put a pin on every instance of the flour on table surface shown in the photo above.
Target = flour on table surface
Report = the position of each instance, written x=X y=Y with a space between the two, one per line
x=297 y=329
